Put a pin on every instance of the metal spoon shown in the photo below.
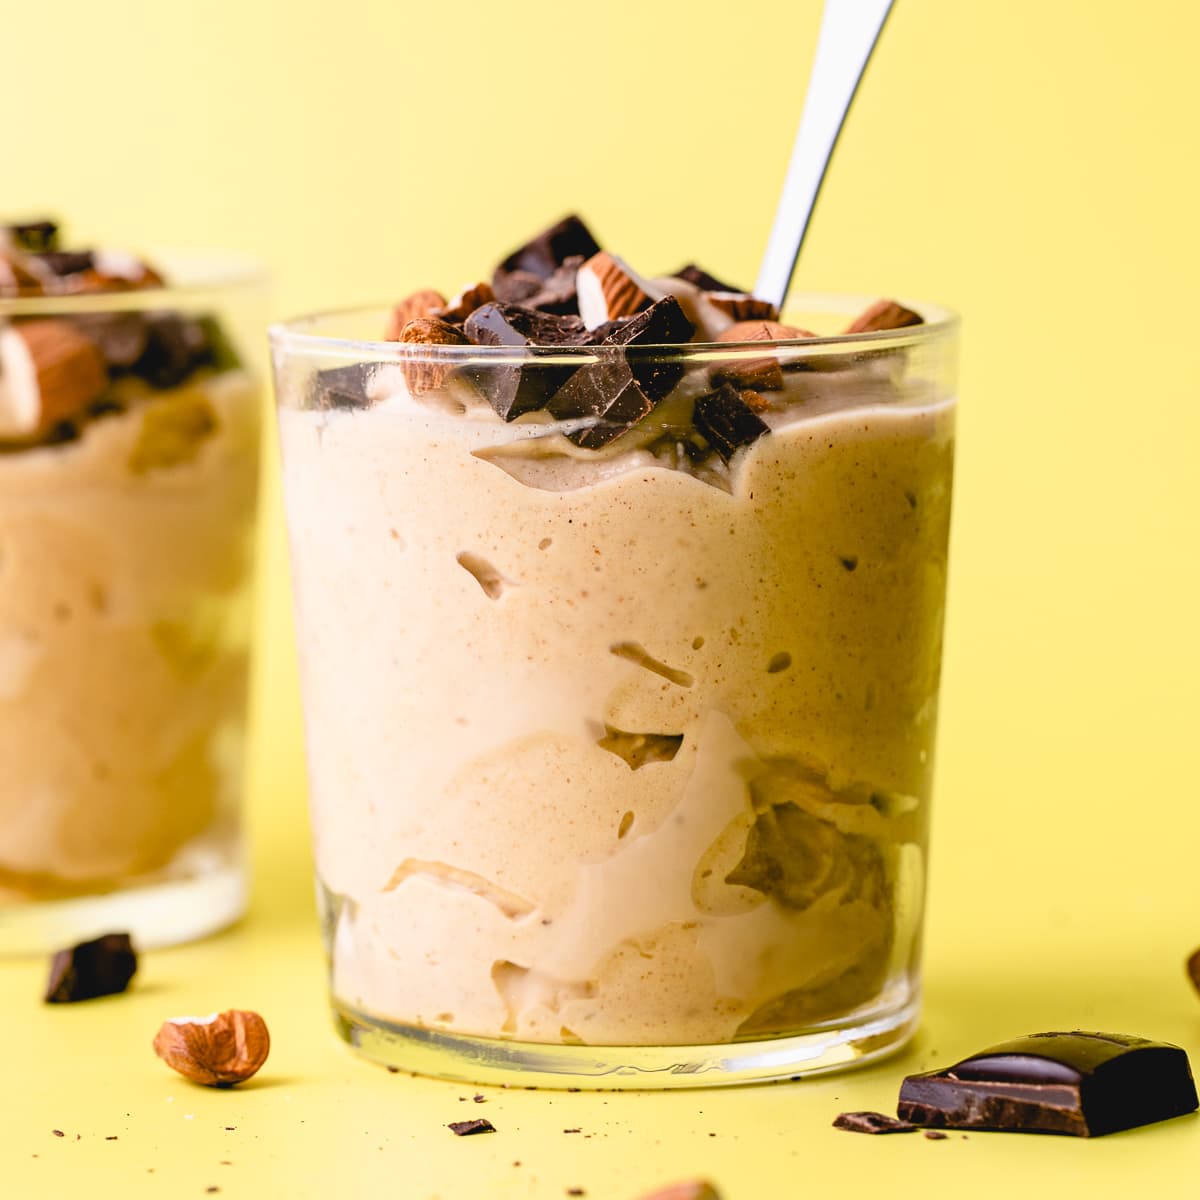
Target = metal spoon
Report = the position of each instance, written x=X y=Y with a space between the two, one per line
x=849 y=32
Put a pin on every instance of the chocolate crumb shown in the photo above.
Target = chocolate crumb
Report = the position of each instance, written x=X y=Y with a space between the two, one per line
x=871 y=1122
x=112 y=1137
x=231 y=1128
x=467 y=1128
x=849 y=561
x=58 y=1133
x=1193 y=969
x=393 y=1070
x=576 y=1192
x=572 y=1131
x=574 y=1089
x=936 y=1135
x=479 y=1098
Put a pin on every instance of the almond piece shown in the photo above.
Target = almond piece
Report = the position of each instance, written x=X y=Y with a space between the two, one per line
x=218 y=1050
x=424 y=374
x=458 y=309
x=884 y=315
x=424 y=303
x=608 y=289
x=757 y=374
x=740 y=306
x=48 y=372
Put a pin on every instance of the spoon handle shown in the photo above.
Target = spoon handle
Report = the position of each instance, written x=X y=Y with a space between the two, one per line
x=849 y=31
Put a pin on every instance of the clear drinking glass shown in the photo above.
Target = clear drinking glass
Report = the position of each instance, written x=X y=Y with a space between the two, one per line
x=126 y=572
x=620 y=746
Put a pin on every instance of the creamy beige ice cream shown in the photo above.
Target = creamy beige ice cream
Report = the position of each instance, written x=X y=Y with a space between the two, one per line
x=125 y=565
x=611 y=746
x=128 y=481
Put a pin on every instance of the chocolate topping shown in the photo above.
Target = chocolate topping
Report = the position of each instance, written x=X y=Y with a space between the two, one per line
x=1084 y=1084
x=66 y=262
x=516 y=388
x=98 y=968
x=871 y=1122
x=703 y=280
x=726 y=422
x=544 y=254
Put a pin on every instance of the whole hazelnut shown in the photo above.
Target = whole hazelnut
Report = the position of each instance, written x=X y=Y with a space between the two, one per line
x=218 y=1050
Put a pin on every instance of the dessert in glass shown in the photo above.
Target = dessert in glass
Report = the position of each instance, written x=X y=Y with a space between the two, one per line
x=619 y=604
x=129 y=439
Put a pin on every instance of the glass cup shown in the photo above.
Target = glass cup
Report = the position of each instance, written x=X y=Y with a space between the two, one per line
x=620 y=739
x=126 y=571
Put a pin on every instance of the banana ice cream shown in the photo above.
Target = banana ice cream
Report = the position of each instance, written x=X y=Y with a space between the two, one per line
x=620 y=674
x=128 y=479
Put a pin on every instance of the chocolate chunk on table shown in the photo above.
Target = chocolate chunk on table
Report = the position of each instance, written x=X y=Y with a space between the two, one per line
x=467 y=1128
x=516 y=388
x=102 y=967
x=726 y=421
x=871 y=1122
x=1084 y=1084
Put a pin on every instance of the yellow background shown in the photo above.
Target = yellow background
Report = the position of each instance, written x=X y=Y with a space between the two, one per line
x=1030 y=163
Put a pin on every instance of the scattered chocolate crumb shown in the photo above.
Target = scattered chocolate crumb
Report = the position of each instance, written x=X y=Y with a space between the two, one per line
x=936 y=1135
x=871 y=1122
x=849 y=561
x=479 y=1098
x=212 y=1189
x=58 y=1133
x=572 y=1131
x=466 y=1128
x=231 y=1128
x=574 y=1089
x=112 y=1137
x=576 y=1192
x=393 y=1070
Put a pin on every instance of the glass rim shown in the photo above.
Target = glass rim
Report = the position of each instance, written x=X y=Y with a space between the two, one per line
x=191 y=274
x=295 y=336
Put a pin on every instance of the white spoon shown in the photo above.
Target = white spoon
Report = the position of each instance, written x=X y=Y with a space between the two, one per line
x=849 y=31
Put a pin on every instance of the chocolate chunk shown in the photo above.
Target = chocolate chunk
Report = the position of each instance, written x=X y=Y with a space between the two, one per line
x=558 y=294
x=102 y=967
x=467 y=1128
x=515 y=287
x=175 y=346
x=884 y=315
x=516 y=388
x=703 y=280
x=1083 y=1084
x=871 y=1122
x=66 y=262
x=341 y=387
x=544 y=254
x=726 y=422
x=35 y=236
x=619 y=391
x=662 y=324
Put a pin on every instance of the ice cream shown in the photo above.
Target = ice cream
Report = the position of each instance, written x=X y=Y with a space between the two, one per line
x=618 y=737
x=128 y=478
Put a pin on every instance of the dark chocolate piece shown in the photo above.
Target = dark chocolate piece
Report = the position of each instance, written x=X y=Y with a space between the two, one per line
x=620 y=391
x=34 y=236
x=1084 y=1084
x=871 y=1122
x=341 y=387
x=102 y=967
x=175 y=346
x=467 y=1128
x=121 y=336
x=66 y=262
x=558 y=294
x=545 y=253
x=515 y=287
x=726 y=422
x=703 y=280
x=516 y=388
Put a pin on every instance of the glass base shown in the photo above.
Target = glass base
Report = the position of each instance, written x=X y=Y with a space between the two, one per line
x=157 y=915
x=831 y=1047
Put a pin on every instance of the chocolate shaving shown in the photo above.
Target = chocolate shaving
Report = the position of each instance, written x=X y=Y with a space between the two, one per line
x=102 y=967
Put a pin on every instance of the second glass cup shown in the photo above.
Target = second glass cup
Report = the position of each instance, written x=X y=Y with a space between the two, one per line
x=620 y=738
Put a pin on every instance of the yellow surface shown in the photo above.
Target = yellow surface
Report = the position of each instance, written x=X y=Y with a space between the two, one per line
x=1031 y=164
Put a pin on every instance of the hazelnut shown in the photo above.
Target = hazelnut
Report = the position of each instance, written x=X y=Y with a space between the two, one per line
x=218 y=1050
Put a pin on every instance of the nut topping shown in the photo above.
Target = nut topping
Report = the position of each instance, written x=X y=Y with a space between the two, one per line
x=48 y=372
x=218 y=1050
x=424 y=303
